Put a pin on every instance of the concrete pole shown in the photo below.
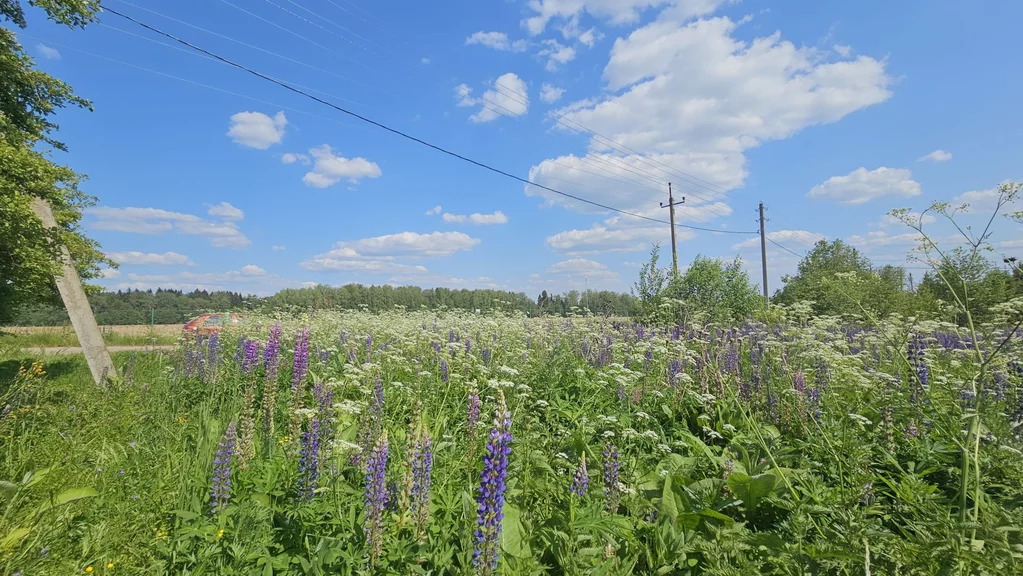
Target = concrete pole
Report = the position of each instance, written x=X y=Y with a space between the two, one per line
x=71 y=292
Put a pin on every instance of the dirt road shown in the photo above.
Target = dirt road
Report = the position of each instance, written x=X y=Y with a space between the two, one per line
x=77 y=350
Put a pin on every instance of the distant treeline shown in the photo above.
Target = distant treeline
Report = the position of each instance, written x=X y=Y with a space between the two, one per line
x=174 y=306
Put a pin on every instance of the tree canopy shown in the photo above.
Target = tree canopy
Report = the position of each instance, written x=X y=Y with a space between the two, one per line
x=28 y=100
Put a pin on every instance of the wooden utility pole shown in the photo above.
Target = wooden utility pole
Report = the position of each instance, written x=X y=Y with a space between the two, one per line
x=763 y=251
x=71 y=292
x=671 y=211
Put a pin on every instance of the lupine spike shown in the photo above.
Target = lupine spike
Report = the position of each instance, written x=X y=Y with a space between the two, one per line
x=581 y=478
x=220 y=492
x=490 y=500
x=376 y=498
x=612 y=492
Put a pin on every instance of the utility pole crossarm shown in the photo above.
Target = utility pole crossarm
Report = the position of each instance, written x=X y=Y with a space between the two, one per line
x=671 y=210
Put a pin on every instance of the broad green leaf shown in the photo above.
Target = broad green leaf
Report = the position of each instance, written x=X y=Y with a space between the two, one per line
x=261 y=499
x=512 y=540
x=669 y=509
x=13 y=538
x=69 y=495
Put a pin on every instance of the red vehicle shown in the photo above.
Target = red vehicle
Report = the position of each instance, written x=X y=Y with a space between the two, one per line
x=206 y=324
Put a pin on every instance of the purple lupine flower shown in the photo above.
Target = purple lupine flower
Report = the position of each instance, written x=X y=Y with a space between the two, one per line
x=220 y=492
x=300 y=363
x=468 y=346
x=375 y=499
x=485 y=355
x=918 y=363
x=472 y=412
x=647 y=358
x=581 y=478
x=732 y=359
x=251 y=358
x=309 y=461
x=491 y=493
x=612 y=492
x=674 y=369
x=213 y=349
x=325 y=402
x=436 y=346
x=445 y=371
x=272 y=351
x=422 y=466
x=351 y=356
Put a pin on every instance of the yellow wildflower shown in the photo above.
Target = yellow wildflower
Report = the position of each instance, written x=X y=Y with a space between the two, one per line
x=88 y=569
x=110 y=565
x=220 y=534
x=181 y=419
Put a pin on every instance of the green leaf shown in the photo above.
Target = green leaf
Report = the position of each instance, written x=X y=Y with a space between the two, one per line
x=669 y=509
x=261 y=499
x=33 y=478
x=512 y=541
x=186 y=514
x=67 y=496
x=13 y=538
x=751 y=490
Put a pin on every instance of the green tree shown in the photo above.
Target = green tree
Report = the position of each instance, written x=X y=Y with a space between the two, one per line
x=722 y=292
x=28 y=99
x=838 y=280
x=650 y=286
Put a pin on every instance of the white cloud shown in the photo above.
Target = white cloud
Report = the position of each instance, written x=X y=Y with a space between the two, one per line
x=156 y=221
x=580 y=267
x=150 y=258
x=982 y=201
x=226 y=211
x=434 y=211
x=937 y=156
x=590 y=37
x=789 y=238
x=252 y=270
x=497 y=41
x=496 y=217
x=257 y=130
x=843 y=50
x=557 y=54
x=379 y=253
x=614 y=237
x=109 y=273
x=277 y=248
x=48 y=52
x=550 y=94
x=331 y=168
x=616 y=12
x=292 y=157
x=693 y=96
x=862 y=185
x=880 y=238
x=508 y=97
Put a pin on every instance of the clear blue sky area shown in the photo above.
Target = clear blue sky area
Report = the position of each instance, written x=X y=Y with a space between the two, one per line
x=830 y=113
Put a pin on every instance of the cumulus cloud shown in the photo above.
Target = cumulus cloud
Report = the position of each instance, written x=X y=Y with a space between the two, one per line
x=277 y=248
x=497 y=41
x=556 y=53
x=615 y=12
x=550 y=94
x=226 y=211
x=507 y=97
x=862 y=185
x=937 y=156
x=888 y=220
x=150 y=258
x=496 y=217
x=292 y=157
x=252 y=270
x=329 y=168
x=257 y=130
x=152 y=221
x=381 y=252
x=48 y=52
x=262 y=284
x=691 y=95
x=981 y=201
x=613 y=236
x=434 y=211
x=580 y=267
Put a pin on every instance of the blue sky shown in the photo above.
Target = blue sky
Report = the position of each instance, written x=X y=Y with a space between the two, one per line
x=829 y=113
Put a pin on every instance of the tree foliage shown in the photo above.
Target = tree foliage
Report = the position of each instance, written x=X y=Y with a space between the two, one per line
x=28 y=100
x=720 y=291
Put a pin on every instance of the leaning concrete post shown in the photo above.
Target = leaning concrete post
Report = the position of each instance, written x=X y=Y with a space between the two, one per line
x=71 y=292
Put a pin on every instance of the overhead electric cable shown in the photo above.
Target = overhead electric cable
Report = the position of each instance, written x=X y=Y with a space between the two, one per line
x=395 y=131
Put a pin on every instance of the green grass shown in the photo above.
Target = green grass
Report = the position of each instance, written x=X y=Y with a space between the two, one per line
x=66 y=338
x=723 y=473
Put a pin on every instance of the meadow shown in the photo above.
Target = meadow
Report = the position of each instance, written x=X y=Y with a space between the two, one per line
x=456 y=443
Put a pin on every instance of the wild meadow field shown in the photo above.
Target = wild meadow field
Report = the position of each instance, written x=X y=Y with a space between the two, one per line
x=447 y=443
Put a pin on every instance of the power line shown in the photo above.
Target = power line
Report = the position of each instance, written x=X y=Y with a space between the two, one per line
x=394 y=130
